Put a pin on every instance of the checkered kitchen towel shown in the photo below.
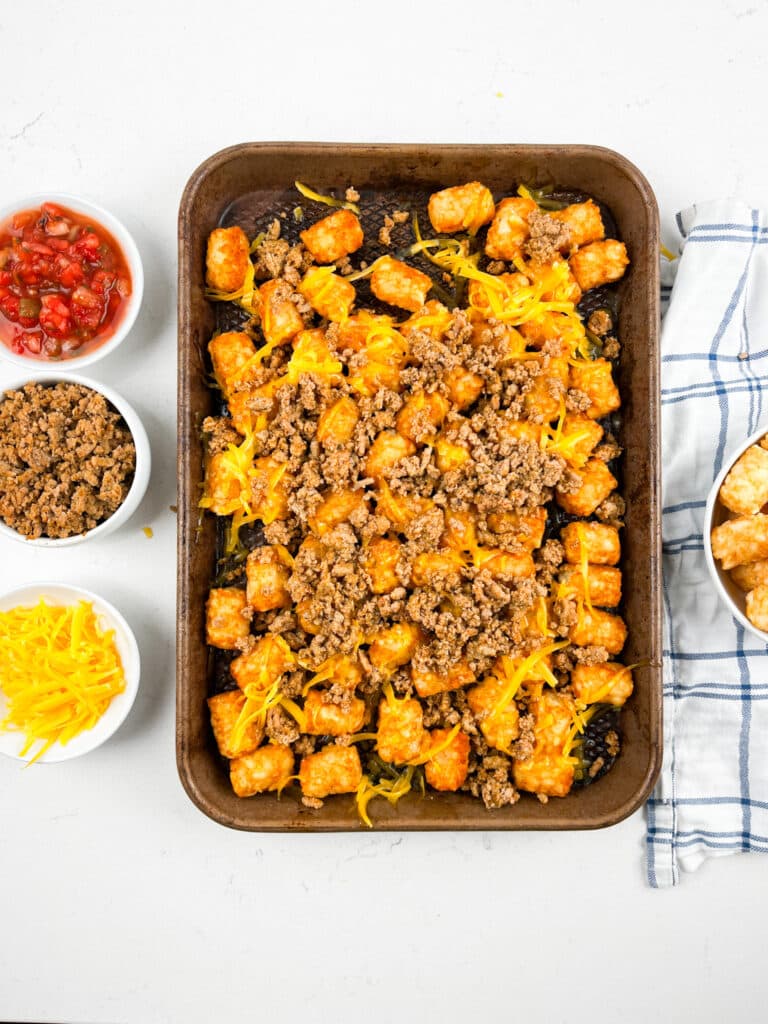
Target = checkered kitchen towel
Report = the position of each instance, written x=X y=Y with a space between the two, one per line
x=712 y=798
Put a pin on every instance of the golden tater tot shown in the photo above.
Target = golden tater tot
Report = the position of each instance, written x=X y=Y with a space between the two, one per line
x=446 y=771
x=328 y=294
x=526 y=529
x=337 y=423
x=401 y=732
x=553 y=715
x=509 y=228
x=263 y=665
x=584 y=223
x=597 y=482
x=337 y=507
x=266 y=769
x=372 y=376
x=280 y=319
x=222 y=485
x=333 y=769
x=333 y=237
x=757 y=607
x=230 y=354
x=595 y=379
x=430 y=564
x=521 y=430
x=225 y=710
x=421 y=415
x=386 y=451
x=402 y=509
x=464 y=387
x=751 y=575
x=544 y=774
x=395 y=645
x=380 y=562
x=450 y=456
x=510 y=564
x=226 y=260
x=267 y=577
x=741 y=540
x=461 y=208
x=429 y=683
x=327 y=719
x=597 y=543
x=599 y=629
x=398 y=284
x=499 y=725
x=603 y=584
x=268 y=489
x=599 y=263
x=607 y=683
x=579 y=436
x=545 y=397
x=745 y=488
x=227 y=618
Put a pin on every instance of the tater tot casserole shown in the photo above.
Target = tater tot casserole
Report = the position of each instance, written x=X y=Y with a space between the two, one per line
x=417 y=480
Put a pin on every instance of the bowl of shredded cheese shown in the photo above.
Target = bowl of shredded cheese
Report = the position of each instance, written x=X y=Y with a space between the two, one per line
x=69 y=672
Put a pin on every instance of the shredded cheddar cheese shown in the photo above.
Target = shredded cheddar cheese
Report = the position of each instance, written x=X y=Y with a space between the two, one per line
x=59 y=671
x=317 y=197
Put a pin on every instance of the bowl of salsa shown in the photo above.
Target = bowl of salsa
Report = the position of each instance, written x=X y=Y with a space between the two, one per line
x=71 y=281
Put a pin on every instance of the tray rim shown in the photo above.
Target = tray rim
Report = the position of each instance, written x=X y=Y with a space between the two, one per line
x=612 y=815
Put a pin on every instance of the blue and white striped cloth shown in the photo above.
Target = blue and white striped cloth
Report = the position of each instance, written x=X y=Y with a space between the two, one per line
x=712 y=797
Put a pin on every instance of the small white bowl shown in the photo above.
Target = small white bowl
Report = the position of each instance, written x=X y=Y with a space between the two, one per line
x=714 y=514
x=140 y=477
x=11 y=743
x=121 y=235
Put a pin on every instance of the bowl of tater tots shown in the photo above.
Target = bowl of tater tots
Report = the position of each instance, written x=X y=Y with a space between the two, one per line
x=736 y=533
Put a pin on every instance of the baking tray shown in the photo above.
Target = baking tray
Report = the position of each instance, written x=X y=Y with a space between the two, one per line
x=256 y=177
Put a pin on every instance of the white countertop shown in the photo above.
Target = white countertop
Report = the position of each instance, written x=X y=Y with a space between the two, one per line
x=121 y=901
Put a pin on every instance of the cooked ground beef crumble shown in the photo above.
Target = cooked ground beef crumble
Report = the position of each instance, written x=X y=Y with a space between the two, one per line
x=67 y=459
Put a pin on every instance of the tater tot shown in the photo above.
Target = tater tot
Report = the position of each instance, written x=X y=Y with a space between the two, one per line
x=601 y=544
x=227 y=619
x=337 y=423
x=544 y=774
x=402 y=509
x=266 y=769
x=745 y=488
x=336 y=509
x=225 y=710
x=509 y=228
x=461 y=208
x=429 y=683
x=395 y=645
x=447 y=769
x=268 y=489
x=525 y=529
x=267 y=577
x=510 y=564
x=280 y=319
x=222 y=485
x=599 y=629
x=499 y=725
x=603 y=584
x=263 y=665
x=380 y=560
x=597 y=482
x=431 y=564
x=230 y=352
x=328 y=294
x=584 y=223
x=421 y=414
x=386 y=451
x=464 y=387
x=741 y=540
x=545 y=396
x=327 y=719
x=460 y=532
x=579 y=436
x=226 y=260
x=398 y=284
x=553 y=718
x=608 y=683
x=333 y=237
x=595 y=379
x=401 y=731
x=333 y=769
x=757 y=607
x=450 y=456
x=751 y=575
x=599 y=263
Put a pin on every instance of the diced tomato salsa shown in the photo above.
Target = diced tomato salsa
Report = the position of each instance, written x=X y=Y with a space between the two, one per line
x=64 y=283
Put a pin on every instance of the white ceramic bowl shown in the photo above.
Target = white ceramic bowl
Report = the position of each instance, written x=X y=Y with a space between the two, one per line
x=714 y=514
x=11 y=743
x=121 y=234
x=143 y=461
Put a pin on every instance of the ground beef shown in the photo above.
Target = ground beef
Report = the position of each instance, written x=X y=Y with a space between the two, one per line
x=67 y=460
x=611 y=348
x=600 y=322
x=548 y=237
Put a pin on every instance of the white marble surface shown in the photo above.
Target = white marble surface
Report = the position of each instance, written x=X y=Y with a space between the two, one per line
x=120 y=901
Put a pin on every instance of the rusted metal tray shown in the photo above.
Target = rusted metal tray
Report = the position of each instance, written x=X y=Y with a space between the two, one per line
x=245 y=182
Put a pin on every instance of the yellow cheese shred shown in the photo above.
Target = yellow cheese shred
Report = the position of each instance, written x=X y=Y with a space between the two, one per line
x=317 y=197
x=59 y=671
x=391 y=789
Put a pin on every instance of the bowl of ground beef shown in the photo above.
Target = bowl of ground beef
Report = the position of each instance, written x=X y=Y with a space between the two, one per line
x=74 y=460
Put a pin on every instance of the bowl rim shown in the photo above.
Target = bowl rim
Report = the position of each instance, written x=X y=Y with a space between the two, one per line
x=115 y=620
x=141 y=473
x=83 y=204
x=712 y=500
